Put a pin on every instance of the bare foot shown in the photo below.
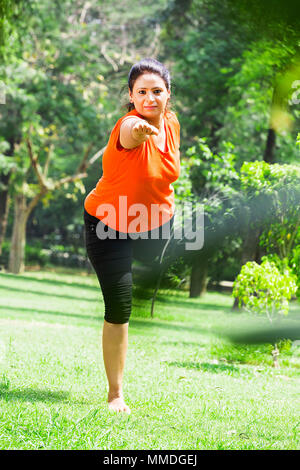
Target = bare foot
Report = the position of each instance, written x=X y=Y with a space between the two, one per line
x=118 y=404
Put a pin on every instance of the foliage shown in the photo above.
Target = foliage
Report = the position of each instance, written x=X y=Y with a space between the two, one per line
x=6 y=165
x=202 y=47
x=65 y=67
x=275 y=194
x=290 y=265
x=53 y=255
x=263 y=290
x=226 y=264
x=7 y=8
x=258 y=94
x=281 y=184
x=295 y=266
x=277 y=19
x=213 y=176
x=215 y=183
x=36 y=255
x=226 y=69
x=4 y=254
x=64 y=70
x=183 y=186
x=176 y=276
x=281 y=238
x=261 y=177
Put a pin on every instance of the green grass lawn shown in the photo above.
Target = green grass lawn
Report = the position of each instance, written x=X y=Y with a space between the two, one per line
x=187 y=386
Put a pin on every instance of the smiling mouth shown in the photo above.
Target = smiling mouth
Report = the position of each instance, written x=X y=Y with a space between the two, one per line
x=150 y=107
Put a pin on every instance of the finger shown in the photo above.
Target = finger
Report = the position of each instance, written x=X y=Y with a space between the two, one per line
x=152 y=130
x=140 y=129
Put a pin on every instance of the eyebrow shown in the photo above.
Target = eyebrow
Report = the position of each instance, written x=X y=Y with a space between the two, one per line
x=153 y=88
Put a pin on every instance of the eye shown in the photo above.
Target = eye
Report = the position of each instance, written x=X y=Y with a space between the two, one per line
x=157 y=91
x=142 y=92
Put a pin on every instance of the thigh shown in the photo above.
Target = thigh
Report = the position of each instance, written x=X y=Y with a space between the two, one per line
x=149 y=249
x=112 y=262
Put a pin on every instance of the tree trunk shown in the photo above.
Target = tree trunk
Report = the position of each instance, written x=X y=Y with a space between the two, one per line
x=16 y=262
x=198 y=277
x=250 y=245
x=4 y=206
x=269 y=155
x=4 y=196
x=235 y=306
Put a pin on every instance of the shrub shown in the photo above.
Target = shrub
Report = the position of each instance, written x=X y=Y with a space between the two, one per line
x=5 y=254
x=263 y=289
x=295 y=261
x=36 y=255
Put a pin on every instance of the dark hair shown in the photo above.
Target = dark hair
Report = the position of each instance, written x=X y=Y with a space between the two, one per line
x=144 y=66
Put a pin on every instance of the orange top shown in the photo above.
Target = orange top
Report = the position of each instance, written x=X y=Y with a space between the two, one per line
x=135 y=192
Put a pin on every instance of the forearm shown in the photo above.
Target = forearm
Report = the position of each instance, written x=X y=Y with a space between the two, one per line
x=134 y=132
x=139 y=139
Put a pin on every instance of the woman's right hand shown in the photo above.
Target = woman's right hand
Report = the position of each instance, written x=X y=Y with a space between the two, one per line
x=142 y=128
x=134 y=131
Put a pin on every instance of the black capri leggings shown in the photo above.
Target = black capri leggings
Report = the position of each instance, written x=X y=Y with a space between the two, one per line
x=111 y=258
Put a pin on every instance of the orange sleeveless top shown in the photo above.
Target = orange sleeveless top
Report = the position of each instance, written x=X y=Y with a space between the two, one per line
x=135 y=193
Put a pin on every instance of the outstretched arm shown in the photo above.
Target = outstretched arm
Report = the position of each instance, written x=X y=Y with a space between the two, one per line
x=135 y=131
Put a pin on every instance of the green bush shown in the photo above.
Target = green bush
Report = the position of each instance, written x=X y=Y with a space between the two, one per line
x=5 y=254
x=33 y=255
x=177 y=275
x=295 y=262
x=263 y=289
x=36 y=255
x=57 y=255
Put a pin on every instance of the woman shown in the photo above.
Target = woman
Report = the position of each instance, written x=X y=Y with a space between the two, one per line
x=140 y=162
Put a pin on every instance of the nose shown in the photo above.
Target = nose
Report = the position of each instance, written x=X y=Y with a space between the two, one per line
x=150 y=97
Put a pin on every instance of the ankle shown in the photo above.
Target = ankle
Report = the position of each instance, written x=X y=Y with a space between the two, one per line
x=115 y=394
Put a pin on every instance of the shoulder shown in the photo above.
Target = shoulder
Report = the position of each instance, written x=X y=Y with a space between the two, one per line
x=116 y=128
x=129 y=115
x=121 y=134
x=173 y=123
x=172 y=118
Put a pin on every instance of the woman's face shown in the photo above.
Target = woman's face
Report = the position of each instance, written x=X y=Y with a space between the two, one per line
x=149 y=96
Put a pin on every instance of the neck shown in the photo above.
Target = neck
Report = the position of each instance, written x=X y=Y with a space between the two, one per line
x=159 y=122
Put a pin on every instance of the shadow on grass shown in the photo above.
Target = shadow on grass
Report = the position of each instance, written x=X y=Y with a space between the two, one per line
x=139 y=324
x=32 y=395
x=145 y=323
x=49 y=281
x=46 y=294
x=31 y=310
x=142 y=297
x=194 y=305
x=206 y=367
x=184 y=343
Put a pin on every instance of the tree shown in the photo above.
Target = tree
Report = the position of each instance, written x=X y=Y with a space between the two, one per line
x=202 y=47
x=7 y=9
x=233 y=73
x=214 y=182
x=57 y=89
x=35 y=193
